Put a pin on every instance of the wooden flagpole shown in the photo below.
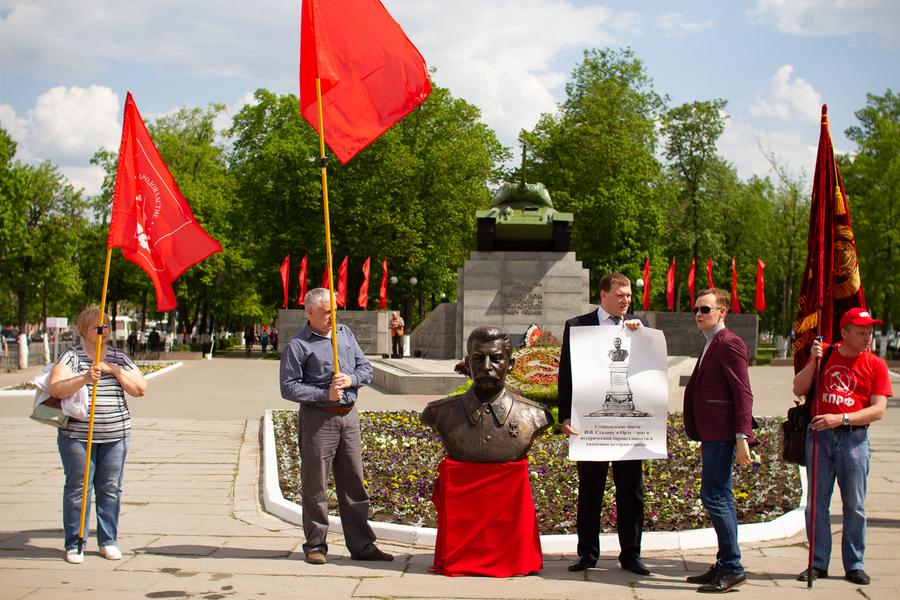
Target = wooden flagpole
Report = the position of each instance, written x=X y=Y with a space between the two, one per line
x=90 y=438
x=324 y=168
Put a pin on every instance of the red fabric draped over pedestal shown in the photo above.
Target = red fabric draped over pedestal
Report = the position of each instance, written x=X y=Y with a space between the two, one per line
x=486 y=520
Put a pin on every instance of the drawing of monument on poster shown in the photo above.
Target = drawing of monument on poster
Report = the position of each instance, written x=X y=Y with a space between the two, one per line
x=619 y=393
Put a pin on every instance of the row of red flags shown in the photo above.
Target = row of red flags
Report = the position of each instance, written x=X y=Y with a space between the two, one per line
x=760 y=303
x=340 y=295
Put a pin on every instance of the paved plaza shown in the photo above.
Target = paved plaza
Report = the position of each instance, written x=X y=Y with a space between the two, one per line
x=192 y=526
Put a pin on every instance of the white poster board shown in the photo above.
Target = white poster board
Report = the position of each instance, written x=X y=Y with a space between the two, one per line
x=620 y=393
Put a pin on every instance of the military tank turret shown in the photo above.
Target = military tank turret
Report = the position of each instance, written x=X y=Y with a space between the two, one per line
x=522 y=217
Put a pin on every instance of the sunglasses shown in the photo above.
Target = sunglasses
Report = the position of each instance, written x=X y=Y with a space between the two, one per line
x=704 y=309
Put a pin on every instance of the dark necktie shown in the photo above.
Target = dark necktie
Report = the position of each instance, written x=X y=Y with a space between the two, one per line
x=617 y=320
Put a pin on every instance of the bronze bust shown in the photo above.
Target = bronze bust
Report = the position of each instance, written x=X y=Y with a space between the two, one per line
x=487 y=423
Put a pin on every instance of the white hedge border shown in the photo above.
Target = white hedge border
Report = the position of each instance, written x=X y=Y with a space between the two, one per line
x=782 y=527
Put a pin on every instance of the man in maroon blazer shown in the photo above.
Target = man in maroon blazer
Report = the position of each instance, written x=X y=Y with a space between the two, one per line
x=718 y=408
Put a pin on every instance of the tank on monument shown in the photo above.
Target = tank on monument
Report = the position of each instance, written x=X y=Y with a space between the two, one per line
x=522 y=217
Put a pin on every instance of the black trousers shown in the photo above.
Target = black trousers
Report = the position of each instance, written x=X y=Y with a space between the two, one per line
x=397 y=345
x=628 y=475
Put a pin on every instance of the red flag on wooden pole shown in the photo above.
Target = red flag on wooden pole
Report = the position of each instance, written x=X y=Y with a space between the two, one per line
x=363 y=299
x=371 y=74
x=151 y=220
x=709 y=270
x=760 y=286
x=285 y=271
x=692 y=277
x=670 y=286
x=301 y=299
x=735 y=302
x=382 y=292
x=831 y=281
x=645 y=300
x=341 y=295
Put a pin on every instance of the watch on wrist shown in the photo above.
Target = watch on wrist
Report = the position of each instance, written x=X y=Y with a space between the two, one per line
x=845 y=420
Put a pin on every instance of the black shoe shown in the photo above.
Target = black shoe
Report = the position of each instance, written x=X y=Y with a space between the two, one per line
x=817 y=574
x=582 y=564
x=706 y=577
x=857 y=576
x=723 y=582
x=635 y=565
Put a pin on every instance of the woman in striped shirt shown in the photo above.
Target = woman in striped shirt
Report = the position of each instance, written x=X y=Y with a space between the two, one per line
x=113 y=376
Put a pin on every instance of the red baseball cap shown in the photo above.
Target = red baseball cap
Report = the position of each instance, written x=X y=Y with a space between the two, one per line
x=859 y=316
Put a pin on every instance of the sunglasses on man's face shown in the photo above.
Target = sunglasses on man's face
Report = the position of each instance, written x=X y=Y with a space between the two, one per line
x=704 y=309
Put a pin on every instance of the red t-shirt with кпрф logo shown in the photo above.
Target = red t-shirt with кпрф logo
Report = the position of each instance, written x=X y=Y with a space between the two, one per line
x=849 y=383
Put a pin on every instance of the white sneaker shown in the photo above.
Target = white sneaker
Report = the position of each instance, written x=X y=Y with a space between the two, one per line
x=74 y=557
x=111 y=552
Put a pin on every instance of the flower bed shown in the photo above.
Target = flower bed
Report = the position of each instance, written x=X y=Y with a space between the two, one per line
x=400 y=458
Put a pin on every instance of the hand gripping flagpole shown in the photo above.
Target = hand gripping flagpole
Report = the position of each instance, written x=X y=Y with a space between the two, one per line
x=90 y=436
x=324 y=168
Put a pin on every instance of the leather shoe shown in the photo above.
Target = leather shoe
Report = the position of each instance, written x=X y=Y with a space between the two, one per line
x=582 y=564
x=817 y=574
x=705 y=577
x=316 y=558
x=377 y=554
x=857 y=576
x=723 y=582
x=635 y=565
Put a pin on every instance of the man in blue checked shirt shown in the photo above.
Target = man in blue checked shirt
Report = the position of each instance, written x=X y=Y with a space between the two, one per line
x=329 y=429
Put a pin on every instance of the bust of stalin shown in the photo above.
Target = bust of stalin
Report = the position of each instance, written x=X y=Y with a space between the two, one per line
x=487 y=423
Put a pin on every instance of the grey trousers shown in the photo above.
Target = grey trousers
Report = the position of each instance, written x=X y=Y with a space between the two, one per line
x=331 y=440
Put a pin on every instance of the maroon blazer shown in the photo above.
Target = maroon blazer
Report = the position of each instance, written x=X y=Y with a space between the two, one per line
x=718 y=402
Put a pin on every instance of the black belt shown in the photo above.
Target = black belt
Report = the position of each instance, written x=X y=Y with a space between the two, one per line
x=851 y=427
x=339 y=410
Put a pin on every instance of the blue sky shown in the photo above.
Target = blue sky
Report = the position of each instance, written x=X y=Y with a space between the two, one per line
x=65 y=65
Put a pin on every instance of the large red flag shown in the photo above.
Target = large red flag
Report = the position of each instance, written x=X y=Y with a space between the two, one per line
x=301 y=299
x=363 y=299
x=151 y=220
x=735 y=302
x=692 y=277
x=285 y=271
x=325 y=279
x=709 y=269
x=831 y=284
x=760 y=286
x=382 y=292
x=670 y=285
x=371 y=74
x=340 y=298
x=645 y=301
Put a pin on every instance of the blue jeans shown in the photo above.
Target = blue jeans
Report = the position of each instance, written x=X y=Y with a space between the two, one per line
x=107 y=469
x=715 y=492
x=844 y=457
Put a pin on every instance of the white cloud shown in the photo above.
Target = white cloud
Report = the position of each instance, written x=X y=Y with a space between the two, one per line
x=501 y=55
x=66 y=126
x=787 y=100
x=880 y=18
x=676 y=25
x=744 y=146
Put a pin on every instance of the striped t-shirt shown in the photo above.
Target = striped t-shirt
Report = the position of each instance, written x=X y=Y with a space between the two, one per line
x=112 y=421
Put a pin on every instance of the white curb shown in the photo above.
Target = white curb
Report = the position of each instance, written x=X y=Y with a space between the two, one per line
x=30 y=393
x=782 y=527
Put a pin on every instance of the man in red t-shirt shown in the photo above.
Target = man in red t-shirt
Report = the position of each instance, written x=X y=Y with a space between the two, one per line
x=852 y=392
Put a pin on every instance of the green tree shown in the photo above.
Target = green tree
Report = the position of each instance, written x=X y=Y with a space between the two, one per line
x=596 y=155
x=872 y=179
x=41 y=217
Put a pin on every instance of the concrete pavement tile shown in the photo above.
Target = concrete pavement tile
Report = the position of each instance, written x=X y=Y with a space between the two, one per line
x=262 y=564
x=182 y=545
x=80 y=580
x=18 y=593
x=140 y=509
x=427 y=585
